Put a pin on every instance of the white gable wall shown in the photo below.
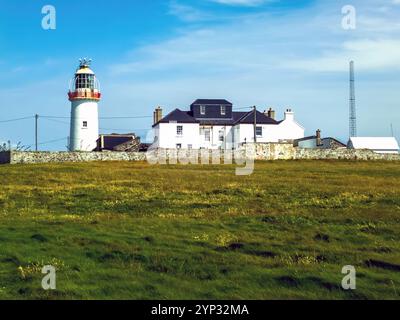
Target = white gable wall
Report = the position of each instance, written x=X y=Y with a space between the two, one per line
x=289 y=129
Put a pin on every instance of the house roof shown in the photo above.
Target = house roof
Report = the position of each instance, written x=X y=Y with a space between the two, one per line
x=374 y=143
x=211 y=102
x=315 y=138
x=180 y=116
x=306 y=138
x=248 y=118
x=113 y=140
x=177 y=116
x=334 y=139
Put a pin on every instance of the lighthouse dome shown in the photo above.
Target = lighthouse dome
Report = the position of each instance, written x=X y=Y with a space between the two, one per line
x=84 y=70
x=84 y=85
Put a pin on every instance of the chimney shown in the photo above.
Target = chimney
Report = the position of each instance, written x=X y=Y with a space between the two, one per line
x=270 y=113
x=157 y=115
x=319 y=140
x=289 y=115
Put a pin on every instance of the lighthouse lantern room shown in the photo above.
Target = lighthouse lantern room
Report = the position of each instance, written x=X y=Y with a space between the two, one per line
x=84 y=94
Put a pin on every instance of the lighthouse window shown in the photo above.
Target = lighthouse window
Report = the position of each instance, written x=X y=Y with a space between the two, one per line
x=85 y=81
x=85 y=124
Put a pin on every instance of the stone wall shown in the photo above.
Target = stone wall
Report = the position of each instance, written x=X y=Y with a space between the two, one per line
x=57 y=157
x=270 y=151
x=279 y=151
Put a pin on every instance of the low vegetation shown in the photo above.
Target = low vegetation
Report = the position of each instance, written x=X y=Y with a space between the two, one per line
x=135 y=231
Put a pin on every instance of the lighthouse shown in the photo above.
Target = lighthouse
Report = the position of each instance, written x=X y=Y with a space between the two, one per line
x=84 y=94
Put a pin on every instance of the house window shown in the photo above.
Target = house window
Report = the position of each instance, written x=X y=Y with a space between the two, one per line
x=222 y=136
x=207 y=135
x=179 y=146
x=223 y=110
x=179 y=130
x=259 y=131
x=190 y=146
x=202 y=110
x=84 y=124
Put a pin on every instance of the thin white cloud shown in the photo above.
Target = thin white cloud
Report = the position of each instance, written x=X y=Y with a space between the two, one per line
x=370 y=55
x=243 y=3
x=187 y=13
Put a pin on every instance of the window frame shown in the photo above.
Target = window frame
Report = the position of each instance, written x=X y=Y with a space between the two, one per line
x=257 y=132
x=179 y=131
x=203 y=110
x=223 y=110
x=221 y=136
x=207 y=134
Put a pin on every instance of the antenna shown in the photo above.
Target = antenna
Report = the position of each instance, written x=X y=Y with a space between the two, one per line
x=392 y=130
x=353 y=111
x=85 y=62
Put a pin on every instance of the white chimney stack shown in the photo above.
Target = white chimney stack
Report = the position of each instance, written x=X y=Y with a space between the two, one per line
x=289 y=115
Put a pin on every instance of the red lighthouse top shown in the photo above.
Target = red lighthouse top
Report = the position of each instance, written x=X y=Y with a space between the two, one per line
x=84 y=86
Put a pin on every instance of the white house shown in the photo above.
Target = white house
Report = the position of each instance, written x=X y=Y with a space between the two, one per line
x=212 y=124
x=376 y=144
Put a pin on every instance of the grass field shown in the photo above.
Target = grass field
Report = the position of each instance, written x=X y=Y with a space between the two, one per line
x=135 y=231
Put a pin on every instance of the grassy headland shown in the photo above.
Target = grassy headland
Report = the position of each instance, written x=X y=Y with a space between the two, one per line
x=135 y=231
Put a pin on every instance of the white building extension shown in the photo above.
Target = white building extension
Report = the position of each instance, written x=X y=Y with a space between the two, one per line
x=84 y=95
x=376 y=144
x=212 y=124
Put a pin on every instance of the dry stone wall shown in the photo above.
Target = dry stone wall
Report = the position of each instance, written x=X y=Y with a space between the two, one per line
x=270 y=151
x=279 y=151
x=59 y=157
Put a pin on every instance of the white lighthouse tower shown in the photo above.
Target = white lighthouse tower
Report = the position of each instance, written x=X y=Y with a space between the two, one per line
x=84 y=94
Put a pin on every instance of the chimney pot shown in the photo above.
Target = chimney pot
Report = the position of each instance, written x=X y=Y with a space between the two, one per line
x=157 y=115
x=270 y=113
x=319 y=140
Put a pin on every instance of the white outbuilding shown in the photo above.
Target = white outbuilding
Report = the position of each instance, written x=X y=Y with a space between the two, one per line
x=376 y=144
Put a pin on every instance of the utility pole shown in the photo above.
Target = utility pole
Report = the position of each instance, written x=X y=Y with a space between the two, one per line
x=36 y=132
x=255 y=124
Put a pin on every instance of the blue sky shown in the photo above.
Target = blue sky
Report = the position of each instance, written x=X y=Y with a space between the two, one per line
x=275 y=53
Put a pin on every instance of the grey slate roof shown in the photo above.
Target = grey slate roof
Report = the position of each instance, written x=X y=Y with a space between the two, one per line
x=248 y=118
x=211 y=102
x=180 y=116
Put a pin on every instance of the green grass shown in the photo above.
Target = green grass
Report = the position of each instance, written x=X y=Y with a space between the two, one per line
x=135 y=231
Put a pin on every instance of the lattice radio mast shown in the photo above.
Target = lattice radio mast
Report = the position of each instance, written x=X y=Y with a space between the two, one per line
x=353 y=111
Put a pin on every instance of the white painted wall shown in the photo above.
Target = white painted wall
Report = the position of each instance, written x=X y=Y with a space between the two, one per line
x=168 y=138
x=289 y=129
x=286 y=130
x=215 y=142
x=84 y=138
